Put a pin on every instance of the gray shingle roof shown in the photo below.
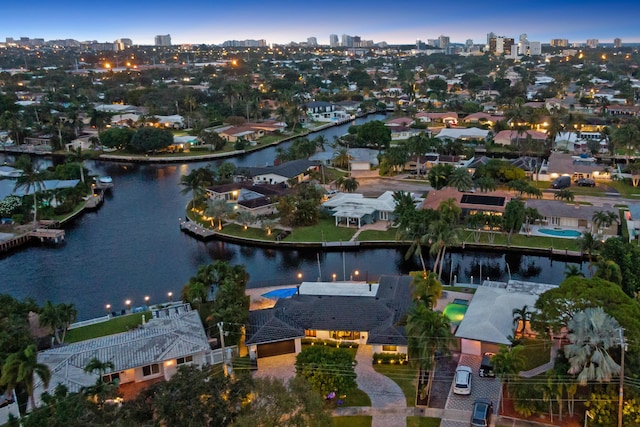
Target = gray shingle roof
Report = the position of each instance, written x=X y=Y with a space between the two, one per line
x=378 y=315
x=287 y=170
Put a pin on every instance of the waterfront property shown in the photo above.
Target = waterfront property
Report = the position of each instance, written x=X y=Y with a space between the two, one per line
x=558 y=215
x=577 y=167
x=353 y=209
x=259 y=199
x=295 y=171
x=364 y=313
x=147 y=354
x=489 y=203
x=488 y=321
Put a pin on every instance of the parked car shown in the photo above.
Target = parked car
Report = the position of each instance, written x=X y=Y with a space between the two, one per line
x=462 y=383
x=481 y=413
x=561 y=182
x=586 y=182
x=486 y=366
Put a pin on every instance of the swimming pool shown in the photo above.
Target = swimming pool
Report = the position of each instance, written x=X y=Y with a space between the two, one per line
x=455 y=312
x=569 y=234
x=280 y=293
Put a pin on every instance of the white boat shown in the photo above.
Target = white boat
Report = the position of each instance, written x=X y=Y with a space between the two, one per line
x=105 y=180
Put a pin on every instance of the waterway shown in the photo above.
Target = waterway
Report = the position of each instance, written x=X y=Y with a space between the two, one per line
x=132 y=247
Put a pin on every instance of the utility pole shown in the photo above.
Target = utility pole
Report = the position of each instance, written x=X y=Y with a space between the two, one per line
x=226 y=361
x=623 y=348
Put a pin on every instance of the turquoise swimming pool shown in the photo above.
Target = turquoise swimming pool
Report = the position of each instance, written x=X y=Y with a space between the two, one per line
x=560 y=233
x=280 y=293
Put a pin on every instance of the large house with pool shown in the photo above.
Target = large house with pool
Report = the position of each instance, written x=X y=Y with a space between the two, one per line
x=569 y=220
x=363 y=313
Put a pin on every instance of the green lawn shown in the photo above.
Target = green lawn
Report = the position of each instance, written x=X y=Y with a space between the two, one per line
x=357 y=397
x=423 y=422
x=113 y=326
x=524 y=241
x=325 y=230
x=376 y=235
x=404 y=375
x=625 y=188
x=354 y=421
x=537 y=352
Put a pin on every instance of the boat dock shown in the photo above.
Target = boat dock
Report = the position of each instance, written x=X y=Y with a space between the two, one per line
x=42 y=233
x=196 y=229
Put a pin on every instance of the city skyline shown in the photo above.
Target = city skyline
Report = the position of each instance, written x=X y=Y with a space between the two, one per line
x=401 y=22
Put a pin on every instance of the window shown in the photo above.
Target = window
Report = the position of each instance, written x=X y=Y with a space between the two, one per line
x=345 y=335
x=310 y=333
x=389 y=348
x=111 y=378
x=183 y=360
x=150 y=370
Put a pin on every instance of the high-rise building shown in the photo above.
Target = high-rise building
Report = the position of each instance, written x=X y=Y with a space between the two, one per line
x=593 y=43
x=529 y=48
x=432 y=42
x=501 y=45
x=559 y=43
x=347 y=40
x=312 y=41
x=333 y=40
x=490 y=36
x=617 y=42
x=443 y=43
x=163 y=40
x=523 y=38
x=122 y=44
x=468 y=43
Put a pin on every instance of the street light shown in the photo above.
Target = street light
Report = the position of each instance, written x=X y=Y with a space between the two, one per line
x=146 y=300
x=108 y=307
x=299 y=276
x=170 y=295
x=128 y=304
x=356 y=273
x=334 y=276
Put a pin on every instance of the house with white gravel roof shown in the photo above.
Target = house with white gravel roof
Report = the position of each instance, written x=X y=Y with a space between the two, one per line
x=152 y=351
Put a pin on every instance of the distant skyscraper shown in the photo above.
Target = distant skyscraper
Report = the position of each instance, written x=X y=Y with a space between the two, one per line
x=432 y=42
x=163 y=40
x=593 y=43
x=312 y=41
x=490 y=36
x=122 y=44
x=617 y=42
x=501 y=45
x=333 y=40
x=468 y=43
x=347 y=40
x=523 y=38
x=559 y=43
x=443 y=43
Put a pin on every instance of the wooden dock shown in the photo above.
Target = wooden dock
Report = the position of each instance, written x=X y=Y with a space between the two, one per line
x=196 y=229
x=43 y=234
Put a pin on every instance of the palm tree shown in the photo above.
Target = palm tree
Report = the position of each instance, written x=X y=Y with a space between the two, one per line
x=460 y=179
x=218 y=209
x=521 y=315
x=486 y=184
x=441 y=235
x=603 y=220
x=58 y=318
x=348 y=185
x=572 y=270
x=101 y=389
x=245 y=218
x=564 y=194
x=508 y=362
x=31 y=181
x=21 y=368
x=78 y=157
x=195 y=183
x=608 y=270
x=592 y=333
x=341 y=158
x=588 y=244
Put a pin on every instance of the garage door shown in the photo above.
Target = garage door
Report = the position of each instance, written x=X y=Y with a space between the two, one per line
x=276 y=348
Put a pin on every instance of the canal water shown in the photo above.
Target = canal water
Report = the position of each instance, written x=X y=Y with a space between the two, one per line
x=132 y=247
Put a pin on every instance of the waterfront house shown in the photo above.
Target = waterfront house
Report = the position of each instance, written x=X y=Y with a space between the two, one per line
x=353 y=209
x=515 y=138
x=490 y=203
x=295 y=171
x=363 y=313
x=153 y=351
x=488 y=321
x=322 y=111
x=557 y=213
x=483 y=118
x=465 y=134
x=259 y=199
x=577 y=167
x=448 y=118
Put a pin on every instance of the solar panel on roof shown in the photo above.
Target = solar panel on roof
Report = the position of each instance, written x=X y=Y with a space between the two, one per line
x=475 y=199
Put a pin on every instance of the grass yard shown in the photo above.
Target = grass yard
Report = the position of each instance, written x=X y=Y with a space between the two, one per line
x=375 y=235
x=524 y=241
x=423 y=422
x=404 y=375
x=537 y=352
x=114 y=326
x=325 y=230
x=354 y=421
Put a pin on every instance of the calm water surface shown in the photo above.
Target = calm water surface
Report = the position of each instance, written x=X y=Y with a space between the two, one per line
x=132 y=247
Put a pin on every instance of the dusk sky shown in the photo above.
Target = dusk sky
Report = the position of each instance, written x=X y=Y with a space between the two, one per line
x=283 y=21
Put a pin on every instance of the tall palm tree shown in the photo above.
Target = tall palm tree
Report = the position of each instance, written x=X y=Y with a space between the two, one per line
x=592 y=334
x=348 y=185
x=218 y=209
x=588 y=244
x=460 y=179
x=21 y=368
x=101 y=389
x=31 y=181
x=196 y=183
x=50 y=317
x=508 y=362
x=341 y=158
x=429 y=332
x=603 y=220
x=78 y=156
x=521 y=316
x=442 y=235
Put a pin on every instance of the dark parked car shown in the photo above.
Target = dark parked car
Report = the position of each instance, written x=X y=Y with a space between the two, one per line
x=486 y=366
x=561 y=182
x=586 y=182
x=481 y=413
